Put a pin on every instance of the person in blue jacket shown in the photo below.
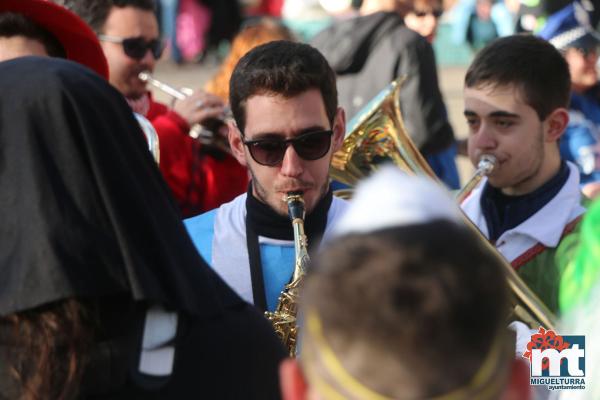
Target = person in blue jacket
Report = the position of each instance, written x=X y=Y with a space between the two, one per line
x=571 y=31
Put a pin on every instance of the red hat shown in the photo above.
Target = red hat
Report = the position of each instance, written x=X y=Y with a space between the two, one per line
x=75 y=36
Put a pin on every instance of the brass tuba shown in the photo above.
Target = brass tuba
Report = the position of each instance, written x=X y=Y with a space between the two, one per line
x=377 y=135
x=284 y=318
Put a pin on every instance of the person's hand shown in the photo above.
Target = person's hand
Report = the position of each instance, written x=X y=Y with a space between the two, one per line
x=591 y=190
x=200 y=107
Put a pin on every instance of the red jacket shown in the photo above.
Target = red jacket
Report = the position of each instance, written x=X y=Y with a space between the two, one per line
x=200 y=178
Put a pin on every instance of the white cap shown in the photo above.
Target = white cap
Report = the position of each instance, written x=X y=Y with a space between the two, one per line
x=392 y=198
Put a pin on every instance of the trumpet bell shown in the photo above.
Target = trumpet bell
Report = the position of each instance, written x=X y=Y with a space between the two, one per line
x=375 y=136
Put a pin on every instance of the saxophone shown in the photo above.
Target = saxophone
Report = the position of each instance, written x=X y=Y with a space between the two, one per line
x=284 y=317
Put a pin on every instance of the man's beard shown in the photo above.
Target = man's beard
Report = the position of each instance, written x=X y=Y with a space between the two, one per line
x=262 y=194
x=538 y=152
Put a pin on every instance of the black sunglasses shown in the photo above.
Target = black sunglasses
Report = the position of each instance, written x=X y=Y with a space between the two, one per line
x=435 y=13
x=137 y=47
x=587 y=50
x=309 y=146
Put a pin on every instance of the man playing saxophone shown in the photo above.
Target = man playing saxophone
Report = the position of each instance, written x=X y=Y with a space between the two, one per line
x=287 y=127
x=516 y=94
x=128 y=32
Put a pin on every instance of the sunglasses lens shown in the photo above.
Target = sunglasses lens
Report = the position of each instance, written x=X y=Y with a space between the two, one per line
x=267 y=152
x=136 y=48
x=310 y=146
x=313 y=146
x=157 y=48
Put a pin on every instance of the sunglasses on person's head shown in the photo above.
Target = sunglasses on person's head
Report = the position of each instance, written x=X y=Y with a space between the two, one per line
x=435 y=13
x=309 y=146
x=136 y=47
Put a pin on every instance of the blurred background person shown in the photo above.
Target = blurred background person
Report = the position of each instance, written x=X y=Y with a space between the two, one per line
x=479 y=22
x=423 y=18
x=260 y=31
x=200 y=177
x=167 y=11
x=37 y=27
x=425 y=298
x=103 y=294
x=368 y=52
x=570 y=30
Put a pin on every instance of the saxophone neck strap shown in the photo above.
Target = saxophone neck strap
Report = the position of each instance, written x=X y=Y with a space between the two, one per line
x=256 y=270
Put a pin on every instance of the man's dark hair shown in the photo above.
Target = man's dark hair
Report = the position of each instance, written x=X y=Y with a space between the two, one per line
x=412 y=311
x=95 y=12
x=15 y=24
x=530 y=64
x=284 y=68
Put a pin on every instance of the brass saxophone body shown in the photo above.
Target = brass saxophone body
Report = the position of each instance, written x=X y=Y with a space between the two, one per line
x=284 y=318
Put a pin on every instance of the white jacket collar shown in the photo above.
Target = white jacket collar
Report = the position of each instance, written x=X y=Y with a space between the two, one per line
x=545 y=226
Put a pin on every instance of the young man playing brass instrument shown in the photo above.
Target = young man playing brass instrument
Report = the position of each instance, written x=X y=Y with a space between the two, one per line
x=516 y=97
x=128 y=32
x=288 y=125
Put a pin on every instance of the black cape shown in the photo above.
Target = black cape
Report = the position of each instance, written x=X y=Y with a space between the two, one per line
x=84 y=212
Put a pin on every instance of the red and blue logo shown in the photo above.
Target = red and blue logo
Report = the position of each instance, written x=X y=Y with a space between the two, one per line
x=556 y=361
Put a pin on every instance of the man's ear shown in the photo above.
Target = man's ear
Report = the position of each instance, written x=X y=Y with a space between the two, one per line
x=291 y=378
x=236 y=143
x=556 y=123
x=517 y=386
x=339 y=129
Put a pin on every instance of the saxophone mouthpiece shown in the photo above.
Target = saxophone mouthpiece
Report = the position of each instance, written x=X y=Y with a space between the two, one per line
x=295 y=203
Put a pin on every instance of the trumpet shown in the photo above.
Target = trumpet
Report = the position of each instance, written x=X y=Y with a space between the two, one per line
x=206 y=133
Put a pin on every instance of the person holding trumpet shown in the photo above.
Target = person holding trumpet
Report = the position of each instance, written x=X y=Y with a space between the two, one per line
x=129 y=35
x=516 y=97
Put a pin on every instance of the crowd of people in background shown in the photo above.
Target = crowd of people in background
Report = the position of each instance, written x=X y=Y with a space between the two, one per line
x=131 y=276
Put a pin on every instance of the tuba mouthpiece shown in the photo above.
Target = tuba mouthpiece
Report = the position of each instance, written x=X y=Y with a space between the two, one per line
x=486 y=164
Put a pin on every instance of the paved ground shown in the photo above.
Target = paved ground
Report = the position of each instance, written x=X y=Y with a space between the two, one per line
x=451 y=81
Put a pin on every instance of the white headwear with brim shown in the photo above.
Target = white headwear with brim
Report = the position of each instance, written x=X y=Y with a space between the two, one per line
x=392 y=198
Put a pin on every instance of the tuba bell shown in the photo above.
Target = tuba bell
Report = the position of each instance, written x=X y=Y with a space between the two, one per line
x=376 y=135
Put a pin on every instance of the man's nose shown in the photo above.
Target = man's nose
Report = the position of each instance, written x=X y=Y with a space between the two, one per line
x=148 y=59
x=291 y=165
x=484 y=139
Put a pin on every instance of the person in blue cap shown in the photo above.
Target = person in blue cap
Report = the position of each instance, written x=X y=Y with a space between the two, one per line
x=571 y=31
